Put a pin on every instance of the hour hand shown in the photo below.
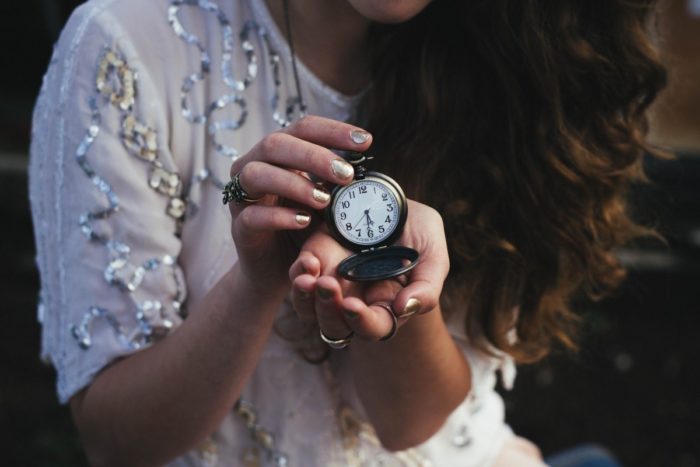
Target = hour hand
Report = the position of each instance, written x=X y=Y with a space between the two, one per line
x=369 y=219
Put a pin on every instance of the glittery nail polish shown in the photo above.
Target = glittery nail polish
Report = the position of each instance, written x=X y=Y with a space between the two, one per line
x=342 y=169
x=321 y=196
x=359 y=136
x=302 y=218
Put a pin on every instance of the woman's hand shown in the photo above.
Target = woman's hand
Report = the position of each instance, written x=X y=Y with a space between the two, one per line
x=276 y=171
x=343 y=307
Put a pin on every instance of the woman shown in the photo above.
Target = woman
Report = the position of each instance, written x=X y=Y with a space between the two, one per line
x=520 y=123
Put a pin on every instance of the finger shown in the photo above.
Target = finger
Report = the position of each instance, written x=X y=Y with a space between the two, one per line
x=306 y=263
x=327 y=304
x=384 y=291
x=288 y=151
x=255 y=218
x=260 y=178
x=371 y=322
x=422 y=293
x=302 y=297
x=327 y=250
x=330 y=133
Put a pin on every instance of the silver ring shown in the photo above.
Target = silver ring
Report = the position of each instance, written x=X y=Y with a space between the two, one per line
x=336 y=344
x=233 y=191
x=395 y=324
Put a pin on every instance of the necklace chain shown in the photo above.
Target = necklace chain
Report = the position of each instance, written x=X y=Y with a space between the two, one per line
x=288 y=25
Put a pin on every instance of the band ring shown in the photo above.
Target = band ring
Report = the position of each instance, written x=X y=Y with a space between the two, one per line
x=395 y=324
x=336 y=344
x=233 y=191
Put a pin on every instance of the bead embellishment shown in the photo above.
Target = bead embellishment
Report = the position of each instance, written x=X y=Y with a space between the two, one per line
x=235 y=86
x=115 y=83
x=139 y=139
x=360 y=443
x=264 y=439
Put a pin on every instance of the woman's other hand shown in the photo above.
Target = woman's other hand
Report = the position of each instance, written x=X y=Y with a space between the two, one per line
x=343 y=307
x=276 y=170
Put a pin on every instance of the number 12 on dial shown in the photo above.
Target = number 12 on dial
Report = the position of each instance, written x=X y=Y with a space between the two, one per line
x=367 y=212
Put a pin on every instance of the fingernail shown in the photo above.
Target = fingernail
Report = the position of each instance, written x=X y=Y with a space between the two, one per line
x=302 y=218
x=321 y=196
x=342 y=169
x=359 y=136
x=325 y=294
x=303 y=294
x=412 y=306
x=349 y=314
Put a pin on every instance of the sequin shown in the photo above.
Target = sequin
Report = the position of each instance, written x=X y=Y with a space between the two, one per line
x=263 y=438
x=115 y=80
x=216 y=127
x=165 y=182
x=83 y=335
x=121 y=273
x=208 y=453
x=247 y=413
x=139 y=139
x=177 y=208
x=280 y=460
x=248 y=50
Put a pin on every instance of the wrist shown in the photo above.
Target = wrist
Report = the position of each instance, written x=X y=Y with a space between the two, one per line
x=263 y=290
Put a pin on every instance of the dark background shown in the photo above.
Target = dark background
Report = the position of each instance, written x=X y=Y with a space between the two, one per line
x=632 y=388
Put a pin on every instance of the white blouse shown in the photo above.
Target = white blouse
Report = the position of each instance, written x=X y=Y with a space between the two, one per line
x=143 y=108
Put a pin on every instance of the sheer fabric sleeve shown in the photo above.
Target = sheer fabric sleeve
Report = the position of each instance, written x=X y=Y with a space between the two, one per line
x=106 y=202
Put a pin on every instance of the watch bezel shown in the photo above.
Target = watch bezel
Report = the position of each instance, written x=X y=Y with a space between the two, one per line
x=402 y=206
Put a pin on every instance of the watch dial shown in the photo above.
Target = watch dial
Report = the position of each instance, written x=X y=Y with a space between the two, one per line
x=366 y=212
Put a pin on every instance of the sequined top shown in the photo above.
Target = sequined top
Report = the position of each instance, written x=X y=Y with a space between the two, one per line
x=143 y=108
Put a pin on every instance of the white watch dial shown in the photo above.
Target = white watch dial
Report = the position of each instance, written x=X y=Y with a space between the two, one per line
x=366 y=212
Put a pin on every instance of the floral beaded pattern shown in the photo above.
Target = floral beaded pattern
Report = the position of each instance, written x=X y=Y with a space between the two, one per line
x=115 y=86
x=234 y=94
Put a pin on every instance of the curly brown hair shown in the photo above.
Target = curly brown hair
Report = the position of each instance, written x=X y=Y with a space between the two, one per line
x=523 y=123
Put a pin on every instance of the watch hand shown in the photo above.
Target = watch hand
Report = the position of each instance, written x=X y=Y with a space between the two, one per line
x=369 y=222
x=360 y=220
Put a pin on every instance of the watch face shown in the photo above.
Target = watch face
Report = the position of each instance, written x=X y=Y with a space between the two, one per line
x=368 y=212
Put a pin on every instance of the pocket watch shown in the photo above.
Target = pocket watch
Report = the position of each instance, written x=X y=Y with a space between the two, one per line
x=367 y=216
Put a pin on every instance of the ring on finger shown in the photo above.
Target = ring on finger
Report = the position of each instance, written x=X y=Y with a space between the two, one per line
x=394 y=324
x=233 y=191
x=337 y=344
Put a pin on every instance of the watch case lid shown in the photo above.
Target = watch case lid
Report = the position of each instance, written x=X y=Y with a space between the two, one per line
x=378 y=263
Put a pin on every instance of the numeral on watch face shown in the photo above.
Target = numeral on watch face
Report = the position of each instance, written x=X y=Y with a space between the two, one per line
x=366 y=212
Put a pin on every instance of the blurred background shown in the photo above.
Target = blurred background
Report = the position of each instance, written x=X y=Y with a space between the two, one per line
x=633 y=387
